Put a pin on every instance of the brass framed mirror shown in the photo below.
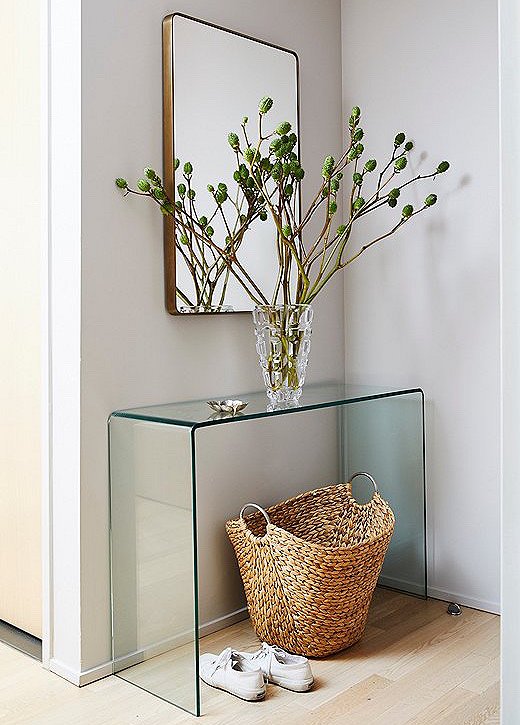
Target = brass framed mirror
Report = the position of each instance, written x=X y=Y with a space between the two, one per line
x=213 y=78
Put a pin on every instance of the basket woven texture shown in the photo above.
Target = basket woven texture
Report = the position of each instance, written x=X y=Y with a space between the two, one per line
x=309 y=575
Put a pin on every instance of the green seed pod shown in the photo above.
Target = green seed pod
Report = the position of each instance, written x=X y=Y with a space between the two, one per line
x=149 y=173
x=399 y=139
x=442 y=167
x=244 y=171
x=392 y=202
x=359 y=203
x=168 y=206
x=275 y=144
x=288 y=191
x=359 y=149
x=265 y=164
x=159 y=194
x=333 y=207
x=341 y=229
x=191 y=194
x=286 y=168
x=249 y=155
x=163 y=211
x=334 y=185
x=339 y=176
x=328 y=167
x=430 y=200
x=178 y=204
x=184 y=239
x=222 y=186
x=181 y=188
x=209 y=231
x=286 y=231
x=276 y=171
x=370 y=165
x=143 y=185
x=242 y=218
x=236 y=176
x=233 y=140
x=263 y=216
x=408 y=146
x=299 y=174
x=358 y=134
x=354 y=117
x=203 y=221
x=357 y=178
x=211 y=188
x=283 y=128
x=121 y=183
x=394 y=193
x=400 y=163
x=177 y=164
x=250 y=183
x=265 y=105
x=188 y=168
x=407 y=211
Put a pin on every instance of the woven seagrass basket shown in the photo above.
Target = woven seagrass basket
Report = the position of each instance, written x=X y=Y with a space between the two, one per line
x=310 y=566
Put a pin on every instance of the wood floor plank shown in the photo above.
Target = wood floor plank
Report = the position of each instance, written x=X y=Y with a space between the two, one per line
x=415 y=666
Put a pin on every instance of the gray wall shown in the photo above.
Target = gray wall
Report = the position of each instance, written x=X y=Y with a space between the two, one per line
x=133 y=352
x=423 y=309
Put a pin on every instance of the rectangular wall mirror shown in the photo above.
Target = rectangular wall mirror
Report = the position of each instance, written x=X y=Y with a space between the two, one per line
x=213 y=78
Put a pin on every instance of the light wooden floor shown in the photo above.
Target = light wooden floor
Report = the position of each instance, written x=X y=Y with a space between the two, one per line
x=416 y=665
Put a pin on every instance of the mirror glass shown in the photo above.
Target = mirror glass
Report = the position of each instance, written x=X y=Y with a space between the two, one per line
x=213 y=79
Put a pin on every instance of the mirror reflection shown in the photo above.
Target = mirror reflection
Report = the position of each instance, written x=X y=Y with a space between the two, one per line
x=213 y=85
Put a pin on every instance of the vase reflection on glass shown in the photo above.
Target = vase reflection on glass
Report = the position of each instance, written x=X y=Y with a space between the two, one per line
x=283 y=342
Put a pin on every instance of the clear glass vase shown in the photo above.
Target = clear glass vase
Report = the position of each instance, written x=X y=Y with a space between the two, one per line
x=283 y=342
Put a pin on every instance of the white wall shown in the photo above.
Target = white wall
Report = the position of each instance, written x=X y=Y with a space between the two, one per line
x=132 y=351
x=424 y=308
x=20 y=305
x=510 y=153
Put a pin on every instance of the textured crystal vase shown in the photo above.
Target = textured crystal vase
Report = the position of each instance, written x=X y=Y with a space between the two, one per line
x=283 y=342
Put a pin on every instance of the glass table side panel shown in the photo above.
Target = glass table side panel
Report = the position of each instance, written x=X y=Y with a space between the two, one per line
x=385 y=438
x=197 y=412
x=153 y=562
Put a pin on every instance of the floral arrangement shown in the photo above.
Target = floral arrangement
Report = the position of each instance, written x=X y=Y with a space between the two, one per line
x=268 y=177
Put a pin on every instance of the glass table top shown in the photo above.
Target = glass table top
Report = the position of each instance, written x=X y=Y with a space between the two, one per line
x=197 y=413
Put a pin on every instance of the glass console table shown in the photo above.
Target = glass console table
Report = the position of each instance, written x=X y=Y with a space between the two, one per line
x=178 y=472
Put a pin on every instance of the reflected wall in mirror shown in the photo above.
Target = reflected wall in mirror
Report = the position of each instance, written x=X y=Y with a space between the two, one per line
x=213 y=79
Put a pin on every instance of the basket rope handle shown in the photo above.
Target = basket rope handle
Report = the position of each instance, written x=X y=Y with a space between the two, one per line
x=258 y=508
x=367 y=475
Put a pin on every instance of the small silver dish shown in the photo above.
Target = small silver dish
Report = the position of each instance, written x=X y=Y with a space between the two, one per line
x=231 y=407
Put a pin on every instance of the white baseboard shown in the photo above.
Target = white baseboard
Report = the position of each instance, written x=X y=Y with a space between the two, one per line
x=482 y=604
x=80 y=678
x=141 y=655
x=402 y=584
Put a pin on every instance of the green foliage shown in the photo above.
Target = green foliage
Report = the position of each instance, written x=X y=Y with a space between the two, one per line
x=430 y=200
x=407 y=211
x=150 y=173
x=370 y=165
x=121 y=183
x=358 y=204
x=188 y=168
x=399 y=139
x=443 y=167
x=143 y=185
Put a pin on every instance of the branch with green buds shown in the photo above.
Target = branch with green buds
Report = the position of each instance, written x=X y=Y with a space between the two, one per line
x=268 y=178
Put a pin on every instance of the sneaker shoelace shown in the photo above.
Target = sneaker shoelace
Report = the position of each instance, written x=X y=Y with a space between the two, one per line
x=222 y=660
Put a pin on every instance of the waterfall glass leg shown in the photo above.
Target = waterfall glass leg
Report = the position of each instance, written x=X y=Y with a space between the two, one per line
x=153 y=560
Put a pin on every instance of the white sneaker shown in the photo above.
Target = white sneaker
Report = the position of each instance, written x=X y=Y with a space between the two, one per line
x=279 y=667
x=225 y=672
